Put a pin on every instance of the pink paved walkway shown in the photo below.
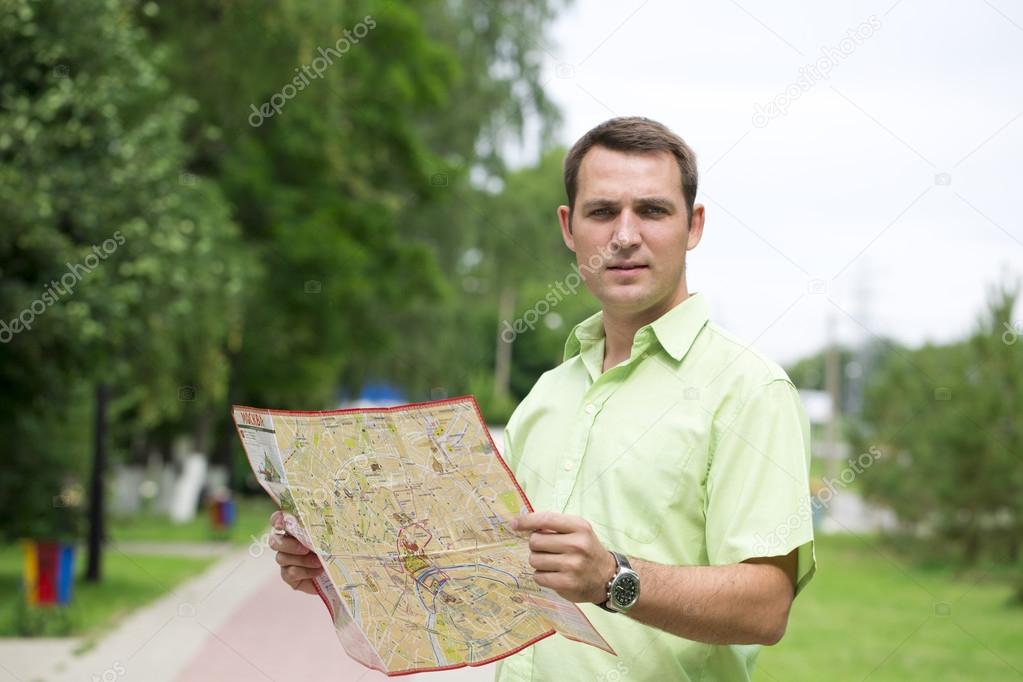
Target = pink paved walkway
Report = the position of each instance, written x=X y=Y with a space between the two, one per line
x=281 y=635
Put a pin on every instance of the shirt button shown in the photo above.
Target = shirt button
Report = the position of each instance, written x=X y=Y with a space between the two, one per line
x=567 y=465
x=591 y=408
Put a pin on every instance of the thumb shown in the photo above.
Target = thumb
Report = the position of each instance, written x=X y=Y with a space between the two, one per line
x=295 y=530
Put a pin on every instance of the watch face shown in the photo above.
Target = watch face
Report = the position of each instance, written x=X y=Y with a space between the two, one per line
x=625 y=590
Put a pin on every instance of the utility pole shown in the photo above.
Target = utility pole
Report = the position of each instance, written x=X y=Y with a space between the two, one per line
x=831 y=382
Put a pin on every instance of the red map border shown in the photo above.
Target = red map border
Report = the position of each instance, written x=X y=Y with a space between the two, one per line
x=504 y=465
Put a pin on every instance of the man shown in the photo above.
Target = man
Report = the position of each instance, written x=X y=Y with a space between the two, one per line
x=669 y=460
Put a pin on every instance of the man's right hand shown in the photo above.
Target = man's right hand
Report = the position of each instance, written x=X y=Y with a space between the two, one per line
x=299 y=565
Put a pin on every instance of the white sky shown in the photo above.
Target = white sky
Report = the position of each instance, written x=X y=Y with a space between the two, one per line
x=841 y=188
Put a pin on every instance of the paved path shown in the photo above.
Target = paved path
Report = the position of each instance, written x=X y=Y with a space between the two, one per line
x=155 y=642
x=236 y=621
x=278 y=634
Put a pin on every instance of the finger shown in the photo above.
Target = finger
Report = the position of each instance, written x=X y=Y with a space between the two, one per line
x=561 y=523
x=293 y=575
x=306 y=586
x=295 y=530
x=287 y=544
x=555 y=543
x=542 y=562
x=552 y=579
x=277 y=520
x=305 y=560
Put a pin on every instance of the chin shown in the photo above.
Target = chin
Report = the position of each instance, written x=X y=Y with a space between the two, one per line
x=628 y=298
x=634 y=297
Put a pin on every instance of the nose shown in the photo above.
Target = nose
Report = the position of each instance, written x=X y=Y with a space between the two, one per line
x=626 y=234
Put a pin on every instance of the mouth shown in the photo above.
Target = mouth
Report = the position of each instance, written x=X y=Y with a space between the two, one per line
x=627 y=268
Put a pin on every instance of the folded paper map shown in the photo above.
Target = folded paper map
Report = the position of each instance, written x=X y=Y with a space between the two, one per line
x=408 y=510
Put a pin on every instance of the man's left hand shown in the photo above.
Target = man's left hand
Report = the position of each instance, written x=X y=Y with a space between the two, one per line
x=567 y=556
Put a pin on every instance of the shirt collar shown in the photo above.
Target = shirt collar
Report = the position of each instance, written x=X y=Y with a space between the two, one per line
x=675 y=330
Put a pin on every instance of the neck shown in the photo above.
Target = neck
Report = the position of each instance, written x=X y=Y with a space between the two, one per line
x=620 y=327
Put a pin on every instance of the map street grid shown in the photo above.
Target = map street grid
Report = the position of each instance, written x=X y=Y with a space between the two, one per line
x=408 y=508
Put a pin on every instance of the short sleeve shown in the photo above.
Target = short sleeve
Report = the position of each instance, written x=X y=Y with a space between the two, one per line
x=510 y=456
x=758 y=489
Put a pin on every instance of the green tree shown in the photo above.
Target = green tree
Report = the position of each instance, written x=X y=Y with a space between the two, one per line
x=129 y=269
x=946 y=418
x=356 y=194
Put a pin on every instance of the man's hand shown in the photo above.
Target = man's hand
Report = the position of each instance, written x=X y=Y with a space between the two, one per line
x=567 y=556
x=299 y=564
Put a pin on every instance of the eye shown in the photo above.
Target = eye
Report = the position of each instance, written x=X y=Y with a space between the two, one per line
x=660 y=210
x=600 y=212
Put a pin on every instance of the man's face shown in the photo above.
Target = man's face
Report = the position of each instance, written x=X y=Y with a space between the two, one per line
x=630 y=229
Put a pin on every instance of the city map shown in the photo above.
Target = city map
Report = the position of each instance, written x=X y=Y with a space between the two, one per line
x=408 y=509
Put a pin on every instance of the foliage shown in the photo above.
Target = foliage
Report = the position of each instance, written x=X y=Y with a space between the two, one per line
x=946 y=418
x=351 y=194
x=270 y=260
x=124 y=269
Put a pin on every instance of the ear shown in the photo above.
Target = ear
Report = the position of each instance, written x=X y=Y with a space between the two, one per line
x=696 y=227
x=566 y=230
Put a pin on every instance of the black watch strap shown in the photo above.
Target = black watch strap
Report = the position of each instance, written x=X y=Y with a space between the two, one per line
x=618 y=564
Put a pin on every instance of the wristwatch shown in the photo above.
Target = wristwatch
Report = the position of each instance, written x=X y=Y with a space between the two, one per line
x=622 y=588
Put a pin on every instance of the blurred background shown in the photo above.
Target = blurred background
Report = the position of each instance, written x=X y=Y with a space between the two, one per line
x=307 y=205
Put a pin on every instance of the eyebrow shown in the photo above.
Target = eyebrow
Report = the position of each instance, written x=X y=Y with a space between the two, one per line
x=645 y=202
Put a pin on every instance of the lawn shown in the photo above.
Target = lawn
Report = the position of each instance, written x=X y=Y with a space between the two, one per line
x=129 y=582
x=870 y=614
x=253 y=520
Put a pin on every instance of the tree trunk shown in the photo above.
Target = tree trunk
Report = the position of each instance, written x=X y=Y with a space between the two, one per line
x=201 y=431
x=503 y=352
x=227 y=438
x=97 y=532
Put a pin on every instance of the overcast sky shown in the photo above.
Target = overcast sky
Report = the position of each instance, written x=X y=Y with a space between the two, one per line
x=889 y=185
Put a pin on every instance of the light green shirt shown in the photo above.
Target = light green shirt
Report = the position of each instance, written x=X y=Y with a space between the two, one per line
x=695 y=451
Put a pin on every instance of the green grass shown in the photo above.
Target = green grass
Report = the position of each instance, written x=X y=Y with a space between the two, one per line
x=129 y=581
x=252 y=521
x=870 y=614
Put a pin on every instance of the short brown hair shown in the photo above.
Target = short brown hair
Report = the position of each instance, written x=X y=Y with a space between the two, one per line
x=633 y=134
